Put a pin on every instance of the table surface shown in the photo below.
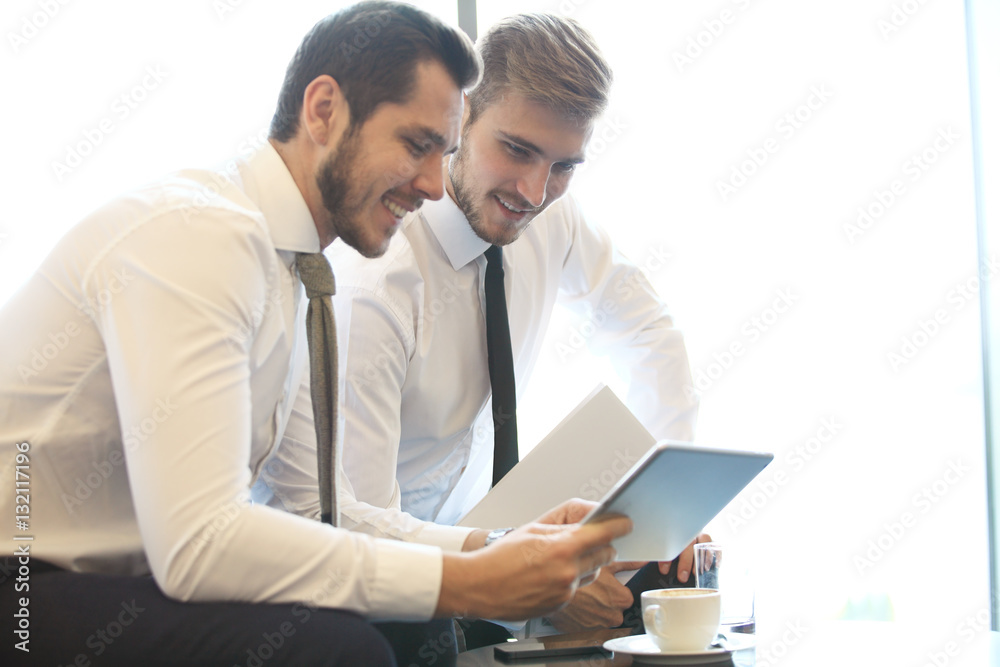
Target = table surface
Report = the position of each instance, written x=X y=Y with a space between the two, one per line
x=862 y=643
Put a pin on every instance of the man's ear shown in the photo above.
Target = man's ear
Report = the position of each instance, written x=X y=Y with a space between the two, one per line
x=325 y=112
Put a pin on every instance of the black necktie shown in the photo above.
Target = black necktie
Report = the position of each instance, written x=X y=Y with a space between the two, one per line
x=501 y=367
x=317 y=276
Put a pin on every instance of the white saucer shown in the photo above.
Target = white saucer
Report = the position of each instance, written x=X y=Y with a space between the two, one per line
x=644 y=650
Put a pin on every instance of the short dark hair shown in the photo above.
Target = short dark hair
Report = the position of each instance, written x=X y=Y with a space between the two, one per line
x=372 y=50
x=546 y=58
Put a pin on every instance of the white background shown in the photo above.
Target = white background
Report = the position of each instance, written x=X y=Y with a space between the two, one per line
x=821 y=530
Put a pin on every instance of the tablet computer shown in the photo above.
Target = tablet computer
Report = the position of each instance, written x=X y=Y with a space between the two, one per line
x=672 y=493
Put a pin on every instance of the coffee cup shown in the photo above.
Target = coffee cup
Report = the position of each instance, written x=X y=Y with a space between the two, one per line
x=681 y=619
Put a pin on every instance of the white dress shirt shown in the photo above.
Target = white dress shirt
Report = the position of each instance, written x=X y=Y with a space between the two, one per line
x=152 y=364
x=416 y=393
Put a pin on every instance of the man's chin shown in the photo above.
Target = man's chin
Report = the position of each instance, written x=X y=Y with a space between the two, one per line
x=373 y=251
x=369 y=248
x=500 y=234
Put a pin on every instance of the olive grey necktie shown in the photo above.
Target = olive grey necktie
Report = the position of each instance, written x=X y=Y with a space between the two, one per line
x=317 y=276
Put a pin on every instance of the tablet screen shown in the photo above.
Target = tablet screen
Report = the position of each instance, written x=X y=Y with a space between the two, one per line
x=672 y=493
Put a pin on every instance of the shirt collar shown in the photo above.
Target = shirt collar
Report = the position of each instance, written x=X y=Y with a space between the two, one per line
x=269 y=184
x=448 y=224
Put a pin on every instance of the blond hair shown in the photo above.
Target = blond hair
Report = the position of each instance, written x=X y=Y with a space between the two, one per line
x=546 y=58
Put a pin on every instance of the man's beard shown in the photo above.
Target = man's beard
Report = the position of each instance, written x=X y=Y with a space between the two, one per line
x=344 y=202
x=466 y=198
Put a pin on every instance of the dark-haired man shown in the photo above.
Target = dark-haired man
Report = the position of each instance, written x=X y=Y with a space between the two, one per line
x=180 y=314
x=419 y=373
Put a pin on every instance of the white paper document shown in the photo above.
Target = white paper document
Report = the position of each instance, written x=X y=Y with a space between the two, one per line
x=584 y=456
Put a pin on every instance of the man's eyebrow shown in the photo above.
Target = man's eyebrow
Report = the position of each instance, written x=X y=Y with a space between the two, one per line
x=524 y=143
x=422 y=132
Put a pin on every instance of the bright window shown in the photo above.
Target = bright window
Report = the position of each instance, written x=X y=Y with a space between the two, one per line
x=807 y=170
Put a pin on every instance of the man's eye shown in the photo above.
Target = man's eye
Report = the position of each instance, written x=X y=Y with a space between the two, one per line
x=516 y=150
x=417 y=150
x=564 y=167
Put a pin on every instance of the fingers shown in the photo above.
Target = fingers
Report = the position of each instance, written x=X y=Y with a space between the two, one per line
x=684 y=563
x=592 y=561
x=591 y=578
x=545 y=528
x=617 y=595
x=571 y=511
x=576 y=509
x=601 y=532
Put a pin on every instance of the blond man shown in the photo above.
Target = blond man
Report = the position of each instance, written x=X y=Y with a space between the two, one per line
x=420 y=423
x=417 y=383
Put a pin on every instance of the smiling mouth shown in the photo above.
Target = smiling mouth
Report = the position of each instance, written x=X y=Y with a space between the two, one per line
x=513 y=208
x=394 y=208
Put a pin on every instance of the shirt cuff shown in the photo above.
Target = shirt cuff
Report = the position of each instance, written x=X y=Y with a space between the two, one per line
x=407 y=582
x=449 y=538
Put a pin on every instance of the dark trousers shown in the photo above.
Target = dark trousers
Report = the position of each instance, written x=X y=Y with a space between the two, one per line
x=93 y=619
x=430 y=644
